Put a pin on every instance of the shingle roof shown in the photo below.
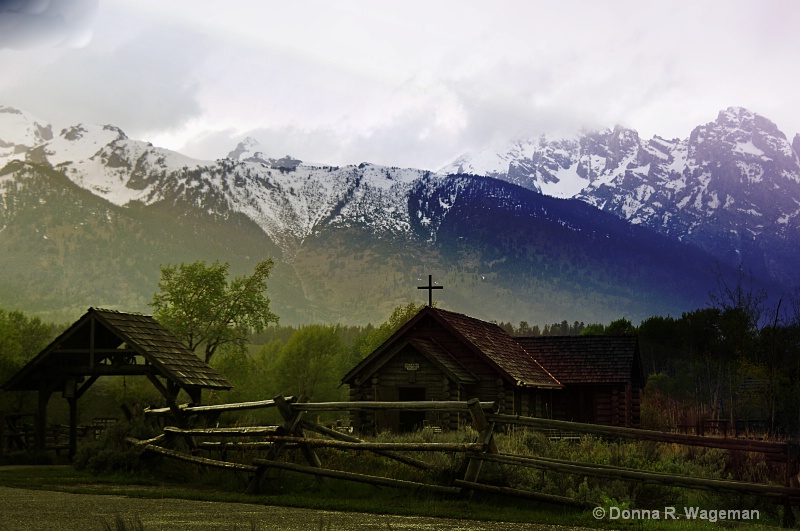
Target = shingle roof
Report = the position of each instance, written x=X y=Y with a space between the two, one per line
x=164 y=350
x=493 y=342
x=585 y=359
x=139 y=333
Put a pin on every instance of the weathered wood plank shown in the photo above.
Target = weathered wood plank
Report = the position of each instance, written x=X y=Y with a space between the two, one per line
x=191 y=458
x=217 y=408
x=538 y=496
x=352 y=476
x=248 y=431
x=485 y=431
x=362 y=446
x=611 y=472
x=344 y=437
x=390 y=406
x=648 y=435
x=139 y=442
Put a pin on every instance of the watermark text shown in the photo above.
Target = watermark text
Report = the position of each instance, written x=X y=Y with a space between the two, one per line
x=676 y=513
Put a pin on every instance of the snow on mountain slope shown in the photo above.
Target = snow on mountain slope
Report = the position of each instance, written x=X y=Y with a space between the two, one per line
x=542 y=165
x=732 y=165
x=732 y=186
x=559 y=167
x=286 y=198
x=20 y=131
x=105 y=161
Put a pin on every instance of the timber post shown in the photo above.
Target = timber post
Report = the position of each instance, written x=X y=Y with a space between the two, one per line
x=292 y=426
x=792 y=480
x=40 y=422
x=73 y=426
x=485 y=431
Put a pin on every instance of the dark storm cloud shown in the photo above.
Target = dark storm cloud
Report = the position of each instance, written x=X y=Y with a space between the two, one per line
x=26 y=24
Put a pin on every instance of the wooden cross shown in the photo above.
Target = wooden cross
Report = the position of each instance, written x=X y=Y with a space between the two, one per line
x=430 y=287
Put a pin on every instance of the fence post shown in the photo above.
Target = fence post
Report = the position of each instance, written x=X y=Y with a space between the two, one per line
x=293 y=428
x=485 y=431
x=792 y=472
x=2 y=433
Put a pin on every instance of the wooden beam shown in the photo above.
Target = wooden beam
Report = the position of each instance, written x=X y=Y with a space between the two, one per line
x=46 y=389
x=530 y=495
x=485 y=431
x=100 y=370
x=102 y=351
x=191 y=458
x=294 y=427
x=91 y=341
x=358 y=446
x=162 y=389
x=646 y=435
x=416 y=463
x=158 y=438
x=169 y=397
x=388 y=406
x=250 y=431
x=86 y=385
x=218 y=408
x=611 y=472
x=352 y=476
x=73 y=426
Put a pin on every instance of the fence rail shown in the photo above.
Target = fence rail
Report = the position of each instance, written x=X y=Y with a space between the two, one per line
x=273 y=440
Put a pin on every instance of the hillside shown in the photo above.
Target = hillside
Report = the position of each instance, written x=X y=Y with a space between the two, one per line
x=88 y=215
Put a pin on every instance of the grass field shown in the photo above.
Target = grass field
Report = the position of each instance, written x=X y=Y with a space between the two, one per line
x=293 y=491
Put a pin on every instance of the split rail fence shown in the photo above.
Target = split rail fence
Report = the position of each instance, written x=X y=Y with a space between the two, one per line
x=292 y=433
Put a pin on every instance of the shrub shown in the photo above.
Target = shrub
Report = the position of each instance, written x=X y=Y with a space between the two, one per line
x=111 y=452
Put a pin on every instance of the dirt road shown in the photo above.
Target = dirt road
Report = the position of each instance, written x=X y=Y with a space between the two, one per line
x=23 y=510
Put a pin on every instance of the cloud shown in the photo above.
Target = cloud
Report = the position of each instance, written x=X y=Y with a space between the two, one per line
x=27 y=24
x=412 y=138
x=413 y=84
x=147 y=83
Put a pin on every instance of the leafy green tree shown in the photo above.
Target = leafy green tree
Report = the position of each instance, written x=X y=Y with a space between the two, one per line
x=620 y=327
x=376 y=337
x=309 y=361
x=21 y=338
x=198 y=304
x=594 y=329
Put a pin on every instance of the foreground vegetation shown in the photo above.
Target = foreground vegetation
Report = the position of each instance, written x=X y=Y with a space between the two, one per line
x=112 y=466
x=736 y=359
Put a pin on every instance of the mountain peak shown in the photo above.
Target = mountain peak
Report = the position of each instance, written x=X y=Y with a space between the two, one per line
x=247 y=148
x=19 y=128
x=746 y=120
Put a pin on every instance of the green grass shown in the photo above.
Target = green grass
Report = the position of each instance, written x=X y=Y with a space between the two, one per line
x=293 y=490
x=157 y=477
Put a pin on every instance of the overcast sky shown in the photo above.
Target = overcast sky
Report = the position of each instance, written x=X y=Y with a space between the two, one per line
x=403 y=83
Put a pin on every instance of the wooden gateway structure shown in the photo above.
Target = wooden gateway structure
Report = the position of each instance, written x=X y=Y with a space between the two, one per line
x=111 y=343
x=442 y=355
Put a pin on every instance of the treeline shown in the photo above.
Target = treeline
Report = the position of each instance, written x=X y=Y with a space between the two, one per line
x=304 y=361
x=21 y=337
x=738 y=359
x=619 y=327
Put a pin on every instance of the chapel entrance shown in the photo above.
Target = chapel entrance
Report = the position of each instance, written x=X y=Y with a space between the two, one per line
x=411 y=420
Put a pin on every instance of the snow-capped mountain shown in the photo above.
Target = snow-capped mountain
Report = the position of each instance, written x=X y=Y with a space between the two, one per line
x=284 y=197
x=732 y=187
x=506 y=249
x=19 y=132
